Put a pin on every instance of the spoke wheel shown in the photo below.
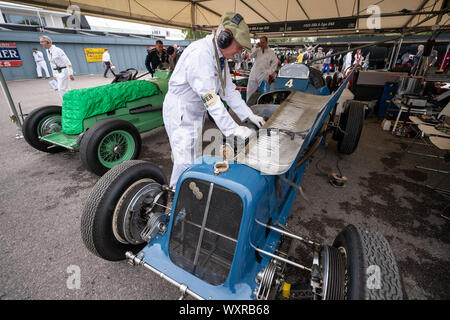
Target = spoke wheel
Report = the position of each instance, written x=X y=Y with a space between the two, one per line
x=108 y=143
x=41 y=122
x=116 y=147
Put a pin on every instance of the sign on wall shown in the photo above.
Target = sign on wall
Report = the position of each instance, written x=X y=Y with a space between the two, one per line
x=9 y=55
x=305 y=25
x=94 y=54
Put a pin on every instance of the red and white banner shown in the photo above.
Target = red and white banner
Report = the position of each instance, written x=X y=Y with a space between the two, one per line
x=9 y=55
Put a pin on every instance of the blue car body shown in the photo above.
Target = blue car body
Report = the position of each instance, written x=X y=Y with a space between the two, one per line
x=261 y=198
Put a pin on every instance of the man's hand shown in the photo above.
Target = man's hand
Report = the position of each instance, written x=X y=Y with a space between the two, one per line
x=243 y=132
x=272 y=77
x=71 y=77
x=256 y=120
x=54 y=78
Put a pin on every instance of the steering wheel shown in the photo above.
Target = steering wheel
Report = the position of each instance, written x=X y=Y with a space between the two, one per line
x=135 y=74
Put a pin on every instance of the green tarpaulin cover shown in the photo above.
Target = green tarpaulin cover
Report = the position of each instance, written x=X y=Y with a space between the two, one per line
x=80 y=104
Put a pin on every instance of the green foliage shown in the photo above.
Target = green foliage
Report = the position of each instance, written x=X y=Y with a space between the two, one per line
x=189 y=34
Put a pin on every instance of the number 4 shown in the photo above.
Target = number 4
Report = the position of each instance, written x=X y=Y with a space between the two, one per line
x=289 y=84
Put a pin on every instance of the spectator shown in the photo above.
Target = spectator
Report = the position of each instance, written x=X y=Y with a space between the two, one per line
x=405 y=57
x=358 y=58
x=300 y=56
x=40 y=63
x=327 y=62
x=319 y=54
x=308 y=55
x=347 y=62
x=106 y=62
x=155 y=57
x=416 y=58
x=173 y=57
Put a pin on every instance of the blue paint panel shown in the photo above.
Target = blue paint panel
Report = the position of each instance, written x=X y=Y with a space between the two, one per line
x=291 y=84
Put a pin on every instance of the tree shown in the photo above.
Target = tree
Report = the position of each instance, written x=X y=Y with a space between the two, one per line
x=189 y=34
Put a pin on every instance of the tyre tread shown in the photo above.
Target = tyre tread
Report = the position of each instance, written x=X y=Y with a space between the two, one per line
x=95 y=200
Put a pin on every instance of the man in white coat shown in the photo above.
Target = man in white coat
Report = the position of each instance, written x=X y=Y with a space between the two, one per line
x=347 y=61
x=60 y=63
x=40 y=63
x=199 y=81
x=265 y=66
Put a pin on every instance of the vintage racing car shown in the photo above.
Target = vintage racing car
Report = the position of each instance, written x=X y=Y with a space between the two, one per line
x=222 y=235
x=104 y=123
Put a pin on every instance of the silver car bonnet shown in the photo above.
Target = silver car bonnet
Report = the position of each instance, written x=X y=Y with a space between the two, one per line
x=274 y=151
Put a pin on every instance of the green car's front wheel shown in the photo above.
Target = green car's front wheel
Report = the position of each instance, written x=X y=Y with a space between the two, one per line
x=41 y=122
x=108 y=143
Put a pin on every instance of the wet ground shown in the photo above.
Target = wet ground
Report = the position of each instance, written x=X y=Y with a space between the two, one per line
x=42 y=198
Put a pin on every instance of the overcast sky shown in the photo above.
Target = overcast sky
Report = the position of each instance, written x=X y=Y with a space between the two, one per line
x=130 y=26
x=115 y=25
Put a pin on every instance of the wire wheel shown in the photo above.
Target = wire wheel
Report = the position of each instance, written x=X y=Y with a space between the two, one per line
x=49 y=124
x=41 y=122
x=108 y=143
x=116 y=147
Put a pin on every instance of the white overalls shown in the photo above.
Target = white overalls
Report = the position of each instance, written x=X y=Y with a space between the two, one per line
x=194 y=80
x=40 y=64
x=61 y=68
x=265 y=64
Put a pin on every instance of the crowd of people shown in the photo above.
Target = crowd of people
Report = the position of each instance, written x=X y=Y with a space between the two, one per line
x=321 y=60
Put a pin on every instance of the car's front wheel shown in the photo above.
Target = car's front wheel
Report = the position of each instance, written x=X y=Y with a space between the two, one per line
x=41 y=122
x=360 y=266
x=119 y=207
x=108 y=143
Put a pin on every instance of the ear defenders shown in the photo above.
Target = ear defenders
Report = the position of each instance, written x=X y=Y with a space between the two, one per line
x=225 y=39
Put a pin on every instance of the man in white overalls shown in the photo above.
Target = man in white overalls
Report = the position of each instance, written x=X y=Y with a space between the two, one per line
x=60 y=63
x=40 y=63
x=199 y=81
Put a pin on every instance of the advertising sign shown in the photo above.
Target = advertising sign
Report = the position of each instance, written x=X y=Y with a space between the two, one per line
x=94 y=54
x=9 y=55
x=305 y=25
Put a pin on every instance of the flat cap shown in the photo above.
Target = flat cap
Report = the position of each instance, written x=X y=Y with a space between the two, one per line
x=236 y=24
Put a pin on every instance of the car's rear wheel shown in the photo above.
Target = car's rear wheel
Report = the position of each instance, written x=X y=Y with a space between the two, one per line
x=41 y=122
x=108 y=143
x=351 y=122
x=119 y=207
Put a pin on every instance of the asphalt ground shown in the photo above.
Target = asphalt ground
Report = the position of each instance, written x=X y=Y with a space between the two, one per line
x=42 y=198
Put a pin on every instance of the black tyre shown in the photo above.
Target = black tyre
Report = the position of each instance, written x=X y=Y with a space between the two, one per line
x=351 y=122
x=372 y=272
x=108 y=143
x=40 y=122
x=329 y=82
x=335 y=82
x=104 y=229
x=316 y=78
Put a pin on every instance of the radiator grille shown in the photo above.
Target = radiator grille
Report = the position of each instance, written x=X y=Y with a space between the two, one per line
x=205 y=231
